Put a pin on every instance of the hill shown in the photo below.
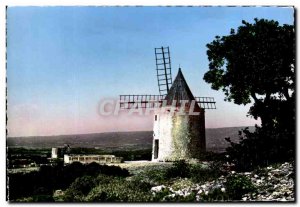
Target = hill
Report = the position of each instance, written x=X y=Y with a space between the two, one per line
x=119 y=140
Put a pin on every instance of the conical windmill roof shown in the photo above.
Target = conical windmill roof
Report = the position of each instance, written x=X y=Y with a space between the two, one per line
x=179 y=90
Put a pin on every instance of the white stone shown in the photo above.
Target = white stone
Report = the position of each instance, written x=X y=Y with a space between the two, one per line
x=158 y=188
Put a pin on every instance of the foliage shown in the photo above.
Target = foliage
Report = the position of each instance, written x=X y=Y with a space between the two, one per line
x=178 y=198
x=50 y=178
x=256 y=64
x=118 y=189
x=214 y=195
x=238 y=185
x=179 y=169
x=152 y=176
x=212 y=156
x=259 y=59
x=260 y=148
x=199 y=174
x=162 y=195
x=196 y=172
x=79 y=188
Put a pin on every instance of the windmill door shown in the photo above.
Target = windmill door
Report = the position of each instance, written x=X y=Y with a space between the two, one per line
x=156 y=141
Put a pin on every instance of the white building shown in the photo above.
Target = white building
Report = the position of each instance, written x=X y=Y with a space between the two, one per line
x=68 y=159
x=54 y=153
x=178 y=136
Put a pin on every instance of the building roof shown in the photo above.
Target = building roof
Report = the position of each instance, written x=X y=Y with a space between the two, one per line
x=179 y=90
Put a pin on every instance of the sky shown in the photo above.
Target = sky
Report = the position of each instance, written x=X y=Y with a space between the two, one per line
x=62 y=61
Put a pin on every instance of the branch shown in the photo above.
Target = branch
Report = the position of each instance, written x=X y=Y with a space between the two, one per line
x=286 y=94
x=253 y=95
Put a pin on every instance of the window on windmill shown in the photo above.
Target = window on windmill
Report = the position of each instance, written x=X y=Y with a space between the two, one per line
x=155 y=117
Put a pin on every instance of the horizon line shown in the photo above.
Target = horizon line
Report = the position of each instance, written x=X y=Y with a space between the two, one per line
x=108 y=132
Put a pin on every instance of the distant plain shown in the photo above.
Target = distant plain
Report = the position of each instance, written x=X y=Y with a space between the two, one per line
x=136 y=140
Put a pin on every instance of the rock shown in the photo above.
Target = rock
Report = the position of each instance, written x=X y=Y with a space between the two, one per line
x=275 y=186
x=158 y=188
x=283 y=199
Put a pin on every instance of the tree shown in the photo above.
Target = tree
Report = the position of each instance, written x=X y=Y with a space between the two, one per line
x=256 y=64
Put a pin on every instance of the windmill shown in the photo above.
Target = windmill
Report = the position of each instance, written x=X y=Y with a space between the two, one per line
x=175 y=135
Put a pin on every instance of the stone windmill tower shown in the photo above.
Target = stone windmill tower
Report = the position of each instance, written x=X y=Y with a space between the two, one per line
x=179 y=117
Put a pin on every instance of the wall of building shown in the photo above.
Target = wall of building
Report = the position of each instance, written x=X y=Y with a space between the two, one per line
x=68 y=159
x=54 y=153
x=180 y=136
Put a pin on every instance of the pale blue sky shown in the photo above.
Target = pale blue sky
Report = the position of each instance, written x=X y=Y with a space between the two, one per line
x=62 y=60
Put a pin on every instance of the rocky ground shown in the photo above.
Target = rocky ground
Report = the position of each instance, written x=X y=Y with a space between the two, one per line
x=274 y=183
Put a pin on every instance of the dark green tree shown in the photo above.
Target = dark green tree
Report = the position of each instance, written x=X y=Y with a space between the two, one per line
x=256 y=65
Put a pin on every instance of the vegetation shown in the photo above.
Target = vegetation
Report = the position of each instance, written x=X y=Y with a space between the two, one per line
x=137 y=189
x=119 y=190
x=196 y=172
x=50 y=178
x=238 y=185
x=256 y=64
x=26 y=156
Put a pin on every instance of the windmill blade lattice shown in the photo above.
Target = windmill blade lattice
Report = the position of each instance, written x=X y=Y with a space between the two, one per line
x=163 y=69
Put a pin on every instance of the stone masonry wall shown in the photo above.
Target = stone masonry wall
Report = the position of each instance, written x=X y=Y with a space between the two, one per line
x=180 y=136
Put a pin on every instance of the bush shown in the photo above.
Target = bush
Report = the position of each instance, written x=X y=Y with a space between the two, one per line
x=50 y=178
x=119 y=190
x=200 y=174
x=177 y=198
x=37 y=198
x=214 y=195
x=212 y=156
x=238 y=185
x=80 y=188
x=261 y=148
x=194 y=171
x=179 y=169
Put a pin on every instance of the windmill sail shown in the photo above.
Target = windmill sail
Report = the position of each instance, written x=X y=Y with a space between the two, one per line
x=163 y=69
x=167 y=90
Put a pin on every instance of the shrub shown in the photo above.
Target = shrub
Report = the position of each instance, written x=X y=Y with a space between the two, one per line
x=238 y=185
x=179 y=169
x=79 y=188
x=261 y=148
x=200 y=174
x=214 y=195
x=155 y=177
x=212 y=156
x=194 y=171
x=50 y=178
x=162 y=195
x=37 y=198
x=119 y=190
